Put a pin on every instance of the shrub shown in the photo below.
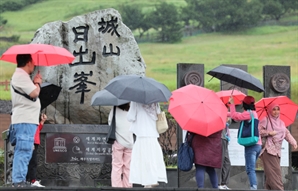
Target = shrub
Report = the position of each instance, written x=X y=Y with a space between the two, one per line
x=1 y=167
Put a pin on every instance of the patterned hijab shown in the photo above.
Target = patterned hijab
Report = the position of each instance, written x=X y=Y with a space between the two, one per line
x=151 y=110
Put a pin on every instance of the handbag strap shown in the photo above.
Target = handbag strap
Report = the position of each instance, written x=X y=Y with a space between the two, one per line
x=189 y=141
x=25 y=95
x=252 y=124
x=158 y=108
x=113 y=124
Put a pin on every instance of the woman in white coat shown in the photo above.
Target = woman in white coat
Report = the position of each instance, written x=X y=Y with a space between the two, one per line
x=147 y=166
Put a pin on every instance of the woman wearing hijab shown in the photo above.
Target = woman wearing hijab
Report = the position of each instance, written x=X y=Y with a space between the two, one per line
x=275 y=131
x=251 y=153
x=147 y=166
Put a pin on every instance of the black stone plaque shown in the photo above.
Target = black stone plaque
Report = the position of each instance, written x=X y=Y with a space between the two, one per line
x=280 y=82
x=77 y=148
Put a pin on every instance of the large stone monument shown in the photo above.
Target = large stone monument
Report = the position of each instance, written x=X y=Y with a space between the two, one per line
x=104 y=47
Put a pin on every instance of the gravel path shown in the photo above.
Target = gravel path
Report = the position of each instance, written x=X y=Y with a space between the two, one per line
x=5 y=106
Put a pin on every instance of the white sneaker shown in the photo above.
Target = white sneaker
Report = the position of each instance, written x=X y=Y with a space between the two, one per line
x=37 y=184
x=223 y=187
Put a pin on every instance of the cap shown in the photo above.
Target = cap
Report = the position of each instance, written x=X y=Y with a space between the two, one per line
x=249 y=100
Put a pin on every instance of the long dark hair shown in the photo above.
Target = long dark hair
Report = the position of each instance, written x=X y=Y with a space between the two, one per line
x=248 y=106
x=124 y=107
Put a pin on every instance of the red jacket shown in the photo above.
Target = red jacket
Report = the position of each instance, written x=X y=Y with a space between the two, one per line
x=37 y=136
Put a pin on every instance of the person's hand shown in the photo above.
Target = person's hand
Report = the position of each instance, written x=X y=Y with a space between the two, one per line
x=295 y=146
x=43 y=118
x=37 y=79
x=272 y=133
x=231 y=100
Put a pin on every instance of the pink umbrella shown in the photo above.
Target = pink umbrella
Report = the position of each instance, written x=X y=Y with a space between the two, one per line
x=42 y=54
x=197 y=109
x=225 y=95
x=288 y=109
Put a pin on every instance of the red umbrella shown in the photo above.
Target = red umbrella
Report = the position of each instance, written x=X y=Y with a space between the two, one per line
x=198 y=110
x=225 y=95
x=288 y=109
x=42 y=54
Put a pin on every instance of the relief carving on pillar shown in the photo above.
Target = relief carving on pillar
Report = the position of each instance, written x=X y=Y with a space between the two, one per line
x=193 y=77
x=280 y=82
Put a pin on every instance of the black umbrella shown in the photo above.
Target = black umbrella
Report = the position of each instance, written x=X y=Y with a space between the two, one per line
x=48 y=94
x=237 y=77
x=138 y=89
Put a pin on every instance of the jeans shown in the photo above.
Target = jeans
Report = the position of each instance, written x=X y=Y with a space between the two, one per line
x=200 y=176
x=23 y=150
x=251 y=155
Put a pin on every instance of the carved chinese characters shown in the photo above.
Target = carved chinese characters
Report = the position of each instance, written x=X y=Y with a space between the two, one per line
x=103 y=48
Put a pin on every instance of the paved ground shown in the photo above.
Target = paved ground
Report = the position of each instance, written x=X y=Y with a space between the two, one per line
x=5 y=106
x=109 y=189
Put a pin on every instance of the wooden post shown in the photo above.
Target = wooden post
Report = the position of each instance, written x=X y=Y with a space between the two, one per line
x=6 y=83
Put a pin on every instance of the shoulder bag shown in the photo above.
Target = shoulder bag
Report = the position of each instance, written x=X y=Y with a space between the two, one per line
x=186 y=154
x=161 y=122
x=248 y=133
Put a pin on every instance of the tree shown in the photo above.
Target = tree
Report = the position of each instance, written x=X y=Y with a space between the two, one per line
x=165 y=19
x=134 y=18
x=225 y=15
x=206 y=12
x=277 y=8
x=240 y=14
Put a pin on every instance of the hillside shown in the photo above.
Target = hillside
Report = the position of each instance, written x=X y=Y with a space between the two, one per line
x=262 y=45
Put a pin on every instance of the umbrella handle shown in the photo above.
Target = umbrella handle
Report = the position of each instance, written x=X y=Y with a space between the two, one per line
x=233 y=90
x=269 y=120
x=211 y=79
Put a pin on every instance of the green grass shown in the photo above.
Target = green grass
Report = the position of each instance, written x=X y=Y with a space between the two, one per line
x=33 y=17
x=255 y=47
x=257 y=50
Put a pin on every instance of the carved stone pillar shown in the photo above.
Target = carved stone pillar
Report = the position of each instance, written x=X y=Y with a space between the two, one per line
x=277 y=82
